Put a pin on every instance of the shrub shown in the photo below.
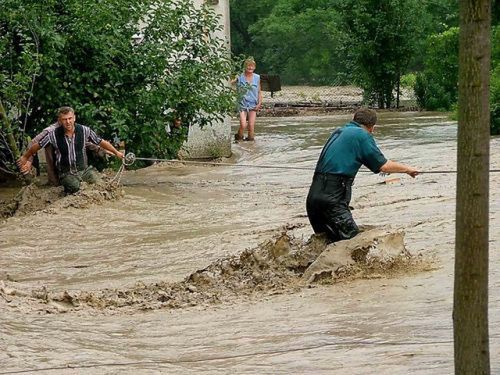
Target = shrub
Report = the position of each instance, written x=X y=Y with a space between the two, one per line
x=408 y=81
x=436 y=88
x=126 y=66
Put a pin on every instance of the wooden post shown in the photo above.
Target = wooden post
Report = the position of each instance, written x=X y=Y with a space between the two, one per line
x=470 y=304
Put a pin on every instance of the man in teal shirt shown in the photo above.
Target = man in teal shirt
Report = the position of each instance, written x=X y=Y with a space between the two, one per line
x=345 y=151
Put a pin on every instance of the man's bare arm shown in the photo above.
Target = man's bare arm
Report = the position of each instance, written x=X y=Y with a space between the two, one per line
x=109 y=147
x=25 y=161
x=395 y=167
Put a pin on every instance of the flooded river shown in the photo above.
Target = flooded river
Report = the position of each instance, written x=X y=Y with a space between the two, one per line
x=176 y=219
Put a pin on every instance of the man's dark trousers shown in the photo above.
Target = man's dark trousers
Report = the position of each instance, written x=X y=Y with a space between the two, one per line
x=328 y=206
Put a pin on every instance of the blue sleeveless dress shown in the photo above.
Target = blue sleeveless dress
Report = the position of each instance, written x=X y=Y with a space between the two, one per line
x=251 y=92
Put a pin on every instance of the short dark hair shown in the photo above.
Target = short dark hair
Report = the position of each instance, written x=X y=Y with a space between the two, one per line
x=365 y=116
x=64 y=110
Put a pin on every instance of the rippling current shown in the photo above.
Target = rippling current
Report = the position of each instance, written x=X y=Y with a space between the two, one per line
x=176 y=219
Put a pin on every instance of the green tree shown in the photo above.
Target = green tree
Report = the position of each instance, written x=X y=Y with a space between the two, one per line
x=330 y=41
x=243 y=14
x=127 y=67
x=436 y=87
x=438 y=16
x=495 y=12
x=384 y=35
x=303 y=41
x=19 y=67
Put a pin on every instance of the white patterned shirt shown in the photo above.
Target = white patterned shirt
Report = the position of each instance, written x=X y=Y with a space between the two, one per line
x=50 y=138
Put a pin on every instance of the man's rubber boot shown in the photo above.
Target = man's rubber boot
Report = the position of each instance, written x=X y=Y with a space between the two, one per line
x=238 y=137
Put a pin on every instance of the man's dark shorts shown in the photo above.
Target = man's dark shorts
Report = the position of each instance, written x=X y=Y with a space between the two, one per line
x=328 y=206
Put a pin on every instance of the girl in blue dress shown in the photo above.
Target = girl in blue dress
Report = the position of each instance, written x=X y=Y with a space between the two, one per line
x=248 y=84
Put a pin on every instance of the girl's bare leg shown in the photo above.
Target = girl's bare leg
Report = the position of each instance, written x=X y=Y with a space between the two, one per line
x=243 y=125
x=252 y=115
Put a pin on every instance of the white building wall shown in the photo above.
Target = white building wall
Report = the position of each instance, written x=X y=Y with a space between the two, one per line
x=211 y=141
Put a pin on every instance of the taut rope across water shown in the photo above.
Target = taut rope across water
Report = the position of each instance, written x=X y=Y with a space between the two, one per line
x=130 y=159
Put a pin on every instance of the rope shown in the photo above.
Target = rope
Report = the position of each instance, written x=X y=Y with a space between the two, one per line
x=450 y=172
x=130 y=158
x=116 y=180
x=228 y=164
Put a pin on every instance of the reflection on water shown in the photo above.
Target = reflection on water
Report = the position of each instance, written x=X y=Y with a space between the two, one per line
x=176 y=219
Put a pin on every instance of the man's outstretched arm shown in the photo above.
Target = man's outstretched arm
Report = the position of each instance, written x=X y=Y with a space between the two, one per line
x=395 y=167
x=109 y=147
x=25 y=161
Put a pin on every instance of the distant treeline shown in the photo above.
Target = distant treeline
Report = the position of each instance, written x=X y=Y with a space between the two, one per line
x=377 y=45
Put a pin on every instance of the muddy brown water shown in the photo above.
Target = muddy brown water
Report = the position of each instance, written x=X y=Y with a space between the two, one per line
x=174 y=220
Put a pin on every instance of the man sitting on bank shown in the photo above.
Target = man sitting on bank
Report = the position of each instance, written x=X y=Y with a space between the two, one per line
x=68 y=141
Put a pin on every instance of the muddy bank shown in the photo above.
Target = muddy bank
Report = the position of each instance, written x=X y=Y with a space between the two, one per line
x=282 y=264
x=314 y=100
x=50 y=199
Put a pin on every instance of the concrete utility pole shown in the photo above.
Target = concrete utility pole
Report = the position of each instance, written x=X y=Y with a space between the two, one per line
x=470 y=305
x=215 y=140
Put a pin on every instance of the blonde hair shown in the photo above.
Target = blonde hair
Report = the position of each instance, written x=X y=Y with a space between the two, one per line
x=249 y=61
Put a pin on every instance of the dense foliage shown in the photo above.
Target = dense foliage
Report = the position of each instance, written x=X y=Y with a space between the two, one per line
x=243 y=15
x=384 y=36
x=495 y=81
x=380 y=46
x=332 y=42
x=304 y=43
x=436 y=86
x=127 y=67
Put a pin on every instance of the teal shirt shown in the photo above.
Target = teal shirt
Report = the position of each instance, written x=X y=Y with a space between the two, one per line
x=347 y=149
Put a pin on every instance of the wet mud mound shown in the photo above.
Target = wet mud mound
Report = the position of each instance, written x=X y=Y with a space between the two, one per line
x=374 y=252
x=33 y=198
x=283 y=264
